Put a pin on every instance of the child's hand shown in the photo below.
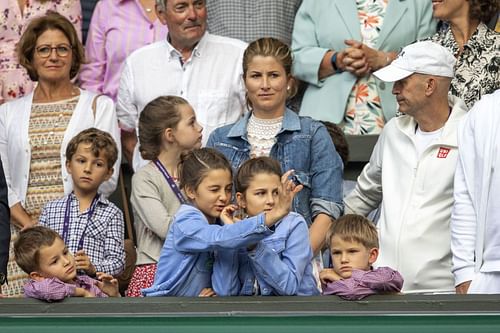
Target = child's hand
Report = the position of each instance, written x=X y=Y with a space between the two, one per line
x=328 y=275
x=207 y=292
x=285 y=198
x=87 y=293
x=227 y=214
x=28 y=226
x=108 y=284
x=83 y=262
x=80 y=292
x=463 y=287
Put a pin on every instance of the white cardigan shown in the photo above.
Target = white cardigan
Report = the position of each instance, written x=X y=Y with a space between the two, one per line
x=15 y=150
x=475 y=219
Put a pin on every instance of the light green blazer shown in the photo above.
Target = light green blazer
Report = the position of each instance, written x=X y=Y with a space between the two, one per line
x=322 y=25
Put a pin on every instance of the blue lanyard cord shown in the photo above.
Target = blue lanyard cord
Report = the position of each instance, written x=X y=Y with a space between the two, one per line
x=170 y=181
x=67 y=213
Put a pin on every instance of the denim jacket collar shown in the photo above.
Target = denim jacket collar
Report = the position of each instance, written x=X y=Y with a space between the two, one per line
x=291 y=122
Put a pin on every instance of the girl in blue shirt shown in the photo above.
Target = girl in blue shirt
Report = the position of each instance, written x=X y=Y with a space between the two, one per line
x=279 y=264
x=194 y=258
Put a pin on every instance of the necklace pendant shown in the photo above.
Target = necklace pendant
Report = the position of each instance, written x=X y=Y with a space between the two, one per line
x=149 y=10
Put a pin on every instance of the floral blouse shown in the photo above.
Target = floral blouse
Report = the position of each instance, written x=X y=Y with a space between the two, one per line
x=363 y=113
x=477 y=71
x=14 y=81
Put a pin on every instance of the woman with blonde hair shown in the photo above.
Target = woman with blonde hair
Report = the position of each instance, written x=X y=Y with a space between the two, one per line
x=298 y=143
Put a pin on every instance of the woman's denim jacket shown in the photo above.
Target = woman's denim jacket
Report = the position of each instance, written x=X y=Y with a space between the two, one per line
x=303 y=145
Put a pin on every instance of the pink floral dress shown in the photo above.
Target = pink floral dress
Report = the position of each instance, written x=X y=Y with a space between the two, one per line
x=364 y=111
x=14 y=81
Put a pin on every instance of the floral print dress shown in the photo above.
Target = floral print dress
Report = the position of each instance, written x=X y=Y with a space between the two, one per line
x=363 y=113
x=477 y=71
x=14 y=80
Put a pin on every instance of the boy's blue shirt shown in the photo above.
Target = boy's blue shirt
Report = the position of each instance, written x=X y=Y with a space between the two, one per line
x=103 y=235
x=281 y=263
x=195 y=252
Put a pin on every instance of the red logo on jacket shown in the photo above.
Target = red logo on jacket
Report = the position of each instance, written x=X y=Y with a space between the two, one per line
x=443 y=152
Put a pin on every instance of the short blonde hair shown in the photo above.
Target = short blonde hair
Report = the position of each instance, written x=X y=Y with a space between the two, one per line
x=355 y=228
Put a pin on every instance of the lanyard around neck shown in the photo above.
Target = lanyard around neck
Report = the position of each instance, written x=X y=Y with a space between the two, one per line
x=170 y=181
x=67 y=214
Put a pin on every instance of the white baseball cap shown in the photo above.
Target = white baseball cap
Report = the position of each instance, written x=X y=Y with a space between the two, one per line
x=421 y=57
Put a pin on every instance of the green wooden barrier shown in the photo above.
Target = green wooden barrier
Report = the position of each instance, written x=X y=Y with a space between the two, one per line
x=398 y=313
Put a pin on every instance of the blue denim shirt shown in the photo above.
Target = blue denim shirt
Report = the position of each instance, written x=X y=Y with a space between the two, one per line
x=302 y=144
x=189 y=260
x=281 y=262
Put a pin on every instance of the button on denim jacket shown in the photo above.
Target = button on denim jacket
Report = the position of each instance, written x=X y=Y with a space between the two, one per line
x=189 y=260
x=303 y=145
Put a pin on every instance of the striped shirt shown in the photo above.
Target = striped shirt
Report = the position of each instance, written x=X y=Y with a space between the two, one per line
x=53 y=289
x=102 y=234
x=365 y=283
x=118 y=27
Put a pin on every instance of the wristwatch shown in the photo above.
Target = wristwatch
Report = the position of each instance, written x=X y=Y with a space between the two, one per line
x=3 y=278
x=333 y=60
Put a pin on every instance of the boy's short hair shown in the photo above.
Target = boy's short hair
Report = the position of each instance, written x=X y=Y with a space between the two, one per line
x=339 y=140
x=99 y=140
x=27 y=247
x=355 y=228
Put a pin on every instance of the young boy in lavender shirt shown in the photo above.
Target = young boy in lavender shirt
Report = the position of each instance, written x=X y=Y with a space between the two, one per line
x=91 y=226
x=353 y=242
x=41 y=253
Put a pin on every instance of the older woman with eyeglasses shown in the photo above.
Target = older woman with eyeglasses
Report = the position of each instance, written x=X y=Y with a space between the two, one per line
x=35 y=129
x=15 y=17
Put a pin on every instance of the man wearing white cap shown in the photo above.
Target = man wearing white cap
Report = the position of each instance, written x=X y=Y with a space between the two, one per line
x=411 y=170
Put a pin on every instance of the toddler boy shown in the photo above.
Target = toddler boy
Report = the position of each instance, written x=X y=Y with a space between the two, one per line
x=41 y=253
x=353 y=242
x=90 y=225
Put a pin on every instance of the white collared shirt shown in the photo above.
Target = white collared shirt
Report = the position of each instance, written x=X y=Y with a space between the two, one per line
x=210 y=80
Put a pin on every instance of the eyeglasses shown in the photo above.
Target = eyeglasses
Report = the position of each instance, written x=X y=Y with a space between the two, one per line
x=62 y=50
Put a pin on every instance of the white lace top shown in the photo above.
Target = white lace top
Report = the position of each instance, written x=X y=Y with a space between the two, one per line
x=262 y=134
